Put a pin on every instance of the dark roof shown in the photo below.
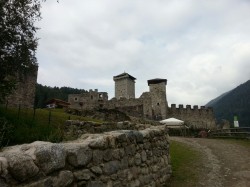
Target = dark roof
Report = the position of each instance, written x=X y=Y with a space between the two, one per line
x=123 y=75
x=156 y=81
x=57 y=101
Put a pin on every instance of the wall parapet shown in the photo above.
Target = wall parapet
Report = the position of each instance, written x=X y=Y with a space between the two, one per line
x=195 y=117
x=116 y=158
x=189 y=107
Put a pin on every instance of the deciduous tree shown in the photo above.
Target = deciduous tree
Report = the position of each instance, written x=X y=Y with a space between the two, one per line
x=18 y=42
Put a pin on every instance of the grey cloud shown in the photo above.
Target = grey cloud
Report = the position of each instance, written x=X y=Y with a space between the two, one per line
x=200 y=46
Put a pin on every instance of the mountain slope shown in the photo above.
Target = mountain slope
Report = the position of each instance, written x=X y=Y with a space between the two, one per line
x=213 y=101
x=234 y=102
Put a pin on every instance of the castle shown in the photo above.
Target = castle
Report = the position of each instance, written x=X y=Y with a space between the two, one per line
x=151 y=105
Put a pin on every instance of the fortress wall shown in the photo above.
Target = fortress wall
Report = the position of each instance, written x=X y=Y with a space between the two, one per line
x=122 y=102
x=135 y=111
x=133 y=107
x=194 y=117
x=117 y=158
x=24 y=94
x=147 y=105
x=88 y=100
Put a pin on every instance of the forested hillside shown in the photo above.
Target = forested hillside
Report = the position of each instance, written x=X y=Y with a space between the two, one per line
x=236 y=102
x=45 y=93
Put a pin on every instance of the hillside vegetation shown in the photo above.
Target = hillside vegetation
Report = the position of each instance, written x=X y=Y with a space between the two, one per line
x=45 y=93
x=28 y=125
x=235 y=102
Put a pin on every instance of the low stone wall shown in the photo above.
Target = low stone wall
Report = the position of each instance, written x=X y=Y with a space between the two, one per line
x=74 y=129
x=117 y=158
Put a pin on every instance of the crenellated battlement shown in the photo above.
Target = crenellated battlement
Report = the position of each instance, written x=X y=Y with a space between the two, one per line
x=199 y=117
x=189 y=107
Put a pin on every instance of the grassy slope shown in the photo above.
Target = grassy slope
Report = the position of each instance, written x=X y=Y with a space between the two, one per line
x=29 y=127
x=185 y=163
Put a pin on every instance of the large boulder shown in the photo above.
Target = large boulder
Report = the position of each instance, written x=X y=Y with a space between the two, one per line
x=21 y=166
x=47 y=156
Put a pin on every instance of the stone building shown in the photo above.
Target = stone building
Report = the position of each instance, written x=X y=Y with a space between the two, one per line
x=88 y=100
x=24 y=94
x=151 y=105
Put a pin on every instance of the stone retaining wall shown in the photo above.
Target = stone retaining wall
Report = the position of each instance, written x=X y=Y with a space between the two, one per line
x=116 y=158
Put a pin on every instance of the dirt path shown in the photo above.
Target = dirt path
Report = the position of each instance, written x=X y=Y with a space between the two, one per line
x=225 y=163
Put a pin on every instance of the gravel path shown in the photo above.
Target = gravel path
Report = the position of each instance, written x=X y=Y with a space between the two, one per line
x=225 y=163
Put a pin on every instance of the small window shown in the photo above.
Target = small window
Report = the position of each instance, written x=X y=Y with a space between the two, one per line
x=91 y=96
x=158 y=104
x=100 y=95
x=76 y=99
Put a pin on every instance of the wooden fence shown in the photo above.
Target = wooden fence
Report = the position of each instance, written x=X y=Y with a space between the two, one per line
x=239 y=132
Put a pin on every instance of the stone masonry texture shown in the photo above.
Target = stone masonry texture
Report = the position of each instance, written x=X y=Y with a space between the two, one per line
x=24 y=94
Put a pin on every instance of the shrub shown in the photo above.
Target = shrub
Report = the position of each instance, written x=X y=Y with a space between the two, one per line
x=6 y=132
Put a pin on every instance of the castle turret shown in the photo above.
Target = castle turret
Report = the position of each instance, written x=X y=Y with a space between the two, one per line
x=124 y=86
x=157 y=89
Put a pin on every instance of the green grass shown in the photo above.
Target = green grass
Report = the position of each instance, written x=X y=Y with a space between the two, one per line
x=185 y=163
x=43 y=125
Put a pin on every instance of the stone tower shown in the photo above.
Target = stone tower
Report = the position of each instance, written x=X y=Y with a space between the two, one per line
x=157 y=89
x=24 y=94
x=124 y=86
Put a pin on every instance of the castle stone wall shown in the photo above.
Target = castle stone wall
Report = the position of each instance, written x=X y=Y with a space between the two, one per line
x=147 y=105
x=193 y=117
x=133 y=107
x=88 y=100
x=24 y=94
x=117 y=158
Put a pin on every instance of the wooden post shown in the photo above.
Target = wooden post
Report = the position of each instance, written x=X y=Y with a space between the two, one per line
x=34 y=113
x=49 y=116
x=18 y=114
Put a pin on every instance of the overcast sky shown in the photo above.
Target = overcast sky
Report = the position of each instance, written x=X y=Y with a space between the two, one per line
x=202 y=47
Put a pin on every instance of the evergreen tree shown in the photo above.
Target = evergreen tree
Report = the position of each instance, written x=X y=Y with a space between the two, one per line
x=45 y=93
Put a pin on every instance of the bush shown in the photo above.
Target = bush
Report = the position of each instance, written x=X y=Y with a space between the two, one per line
x=22 y=126
x=6 y=132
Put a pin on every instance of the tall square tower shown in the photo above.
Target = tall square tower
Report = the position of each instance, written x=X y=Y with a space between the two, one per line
x=124 y=86
x=157 y=89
